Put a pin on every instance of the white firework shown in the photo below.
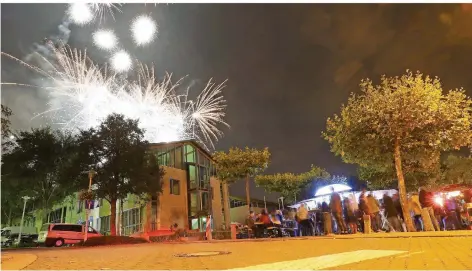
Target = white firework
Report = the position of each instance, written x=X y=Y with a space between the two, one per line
x=82 y=95
x=121 y=61
x=80 y=13
x=105 y=39
x=143 y=30
x=83 y=13
x=101 y=9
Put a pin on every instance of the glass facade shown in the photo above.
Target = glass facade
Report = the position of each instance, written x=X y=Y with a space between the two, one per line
x=199 y=168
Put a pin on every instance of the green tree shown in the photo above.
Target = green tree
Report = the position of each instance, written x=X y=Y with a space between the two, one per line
x=457 y=170
x=402 y=121
x=290 y=185
x=239 y=164
x=117 y=151
x=38 y=166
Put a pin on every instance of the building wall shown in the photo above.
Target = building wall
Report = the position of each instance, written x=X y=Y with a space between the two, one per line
x=173 y=208
x=217 y=209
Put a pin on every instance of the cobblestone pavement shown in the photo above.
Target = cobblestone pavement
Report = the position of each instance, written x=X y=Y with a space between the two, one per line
x=420 y=253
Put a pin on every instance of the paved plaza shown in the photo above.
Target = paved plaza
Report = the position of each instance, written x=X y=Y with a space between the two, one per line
x=417 y=253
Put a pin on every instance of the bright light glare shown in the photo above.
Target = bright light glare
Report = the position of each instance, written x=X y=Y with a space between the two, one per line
x=80 y=13
x=143 y=30
x=121 y=61
x=105 y=39
x=326 y=190
x=439 y=201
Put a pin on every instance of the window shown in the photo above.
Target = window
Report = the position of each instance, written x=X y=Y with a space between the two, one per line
x=174 y=187
x=131 y=221
x=67 y=227
x=178 y=158
x=105 y=224
x=192 y=172
x=189 y=154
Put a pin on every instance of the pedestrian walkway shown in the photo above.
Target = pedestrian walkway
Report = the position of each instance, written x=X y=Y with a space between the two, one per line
x=17 y=261
x=427 y=253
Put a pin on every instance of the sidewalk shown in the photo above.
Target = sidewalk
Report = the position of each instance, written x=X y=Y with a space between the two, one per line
x=429 y=234
x=16 y=261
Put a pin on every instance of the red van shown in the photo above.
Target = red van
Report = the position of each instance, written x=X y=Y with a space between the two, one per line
x=60 y=234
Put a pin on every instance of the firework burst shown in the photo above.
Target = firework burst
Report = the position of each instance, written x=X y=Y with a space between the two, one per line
x=82 y=95
x=83 y=13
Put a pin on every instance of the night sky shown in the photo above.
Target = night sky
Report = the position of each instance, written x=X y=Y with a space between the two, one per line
x=288 y=67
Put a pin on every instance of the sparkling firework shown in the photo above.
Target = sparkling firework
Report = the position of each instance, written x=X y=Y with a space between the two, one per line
x=82 y=95
x=143 y=29
x=121 y=61
x=80 y=13
x=105 y=39
x=83 y=13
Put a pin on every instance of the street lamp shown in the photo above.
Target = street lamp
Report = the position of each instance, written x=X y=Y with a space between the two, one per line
x=87 y=210
x=25 y=198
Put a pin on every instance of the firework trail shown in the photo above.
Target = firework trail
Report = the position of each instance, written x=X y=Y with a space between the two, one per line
x=82 y=95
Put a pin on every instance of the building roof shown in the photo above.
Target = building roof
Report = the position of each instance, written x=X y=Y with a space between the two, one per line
x=183 y=142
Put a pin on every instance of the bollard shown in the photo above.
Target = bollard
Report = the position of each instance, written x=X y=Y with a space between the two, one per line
x=427 y=223
x=233 y=231
x=328 y=227
x=367 y=225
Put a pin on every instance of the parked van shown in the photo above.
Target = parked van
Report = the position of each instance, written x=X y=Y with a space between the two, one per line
x=60 y=234
x=9 y=235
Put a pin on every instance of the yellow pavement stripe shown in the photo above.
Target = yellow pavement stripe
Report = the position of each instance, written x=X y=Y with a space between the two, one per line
x=325 y=261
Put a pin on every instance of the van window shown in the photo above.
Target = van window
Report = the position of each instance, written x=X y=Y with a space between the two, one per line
x=66 y=227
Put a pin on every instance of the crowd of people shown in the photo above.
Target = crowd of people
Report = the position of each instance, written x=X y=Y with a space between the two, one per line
x=345 y=216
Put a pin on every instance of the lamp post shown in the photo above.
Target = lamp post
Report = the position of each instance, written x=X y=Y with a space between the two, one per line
x=87 y=210
x=282 y=201
x=25 y=198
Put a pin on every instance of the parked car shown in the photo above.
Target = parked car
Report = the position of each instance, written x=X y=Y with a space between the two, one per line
x=9 y=235
x=61 y=234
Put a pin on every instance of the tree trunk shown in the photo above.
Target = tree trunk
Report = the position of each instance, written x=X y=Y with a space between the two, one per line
x=248 y=198
x=158 y=210
x=402 y=188
x=120 y=221
x=147 y=227
x=113 y=217
x=226 y=206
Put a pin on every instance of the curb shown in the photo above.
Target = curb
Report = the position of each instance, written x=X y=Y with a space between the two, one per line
x=17 y=261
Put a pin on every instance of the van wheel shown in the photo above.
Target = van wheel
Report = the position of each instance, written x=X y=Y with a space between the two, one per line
x=59 y=243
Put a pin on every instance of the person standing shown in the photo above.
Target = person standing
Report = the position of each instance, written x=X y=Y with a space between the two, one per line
x=350 y=215
x=375 y=212
x=337 y=211
x=304 y=222
x=391 y=213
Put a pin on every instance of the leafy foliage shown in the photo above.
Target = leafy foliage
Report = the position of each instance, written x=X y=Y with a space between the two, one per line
x=241 y=163
x=457 y=170
x=117 y=151
x=290 y=185
x=404 y=121
x=38 y=167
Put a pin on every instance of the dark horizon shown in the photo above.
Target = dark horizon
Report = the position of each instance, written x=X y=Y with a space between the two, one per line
x=289 y=67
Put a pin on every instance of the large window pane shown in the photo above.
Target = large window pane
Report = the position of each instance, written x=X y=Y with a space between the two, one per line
x=205 y=201
x=193 y=203
x=189 y=154
x=192 y=172
x=178 y=158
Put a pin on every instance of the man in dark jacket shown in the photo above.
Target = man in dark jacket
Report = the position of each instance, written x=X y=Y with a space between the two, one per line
x=391 y=213
x=337 y=211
